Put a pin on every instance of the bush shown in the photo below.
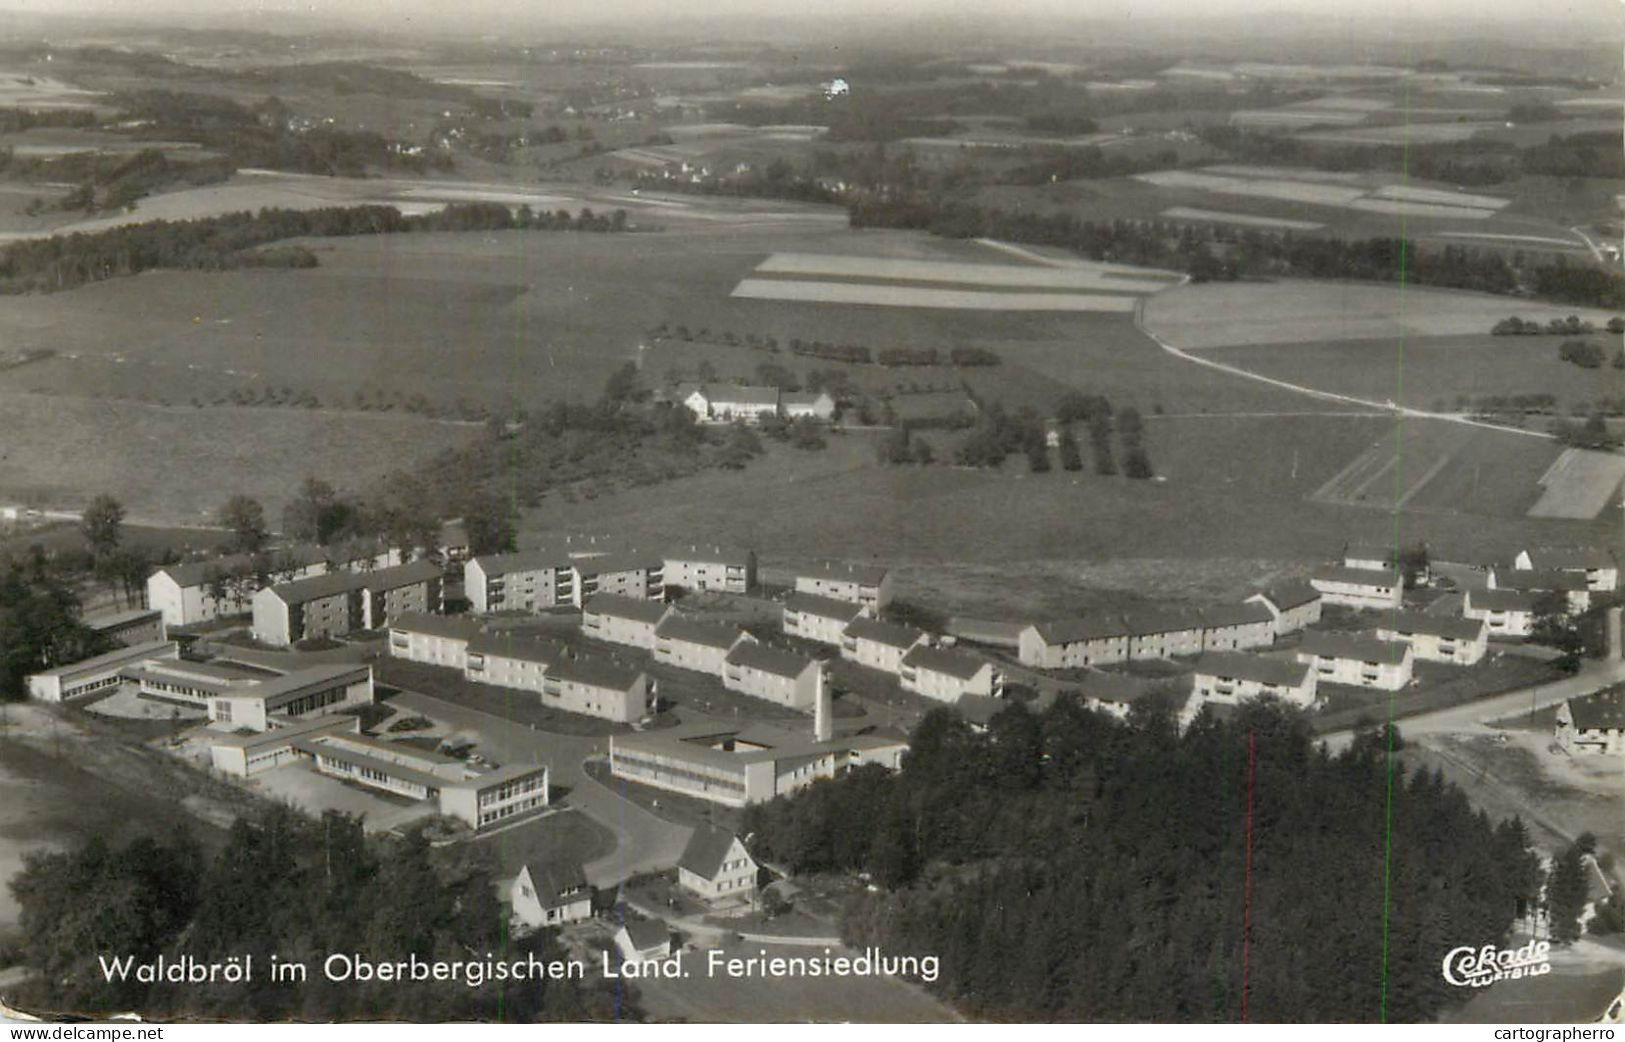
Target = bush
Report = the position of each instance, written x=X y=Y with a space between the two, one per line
x=1583 y=354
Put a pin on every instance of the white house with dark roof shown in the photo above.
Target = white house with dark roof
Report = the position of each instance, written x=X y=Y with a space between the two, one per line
x=812 y=617
x=623 y=620
x=336 y=603
x=1095 y=640
x=1295 y=604
x=1380 y=588
x=715 y=866
x=1370 y=557
x=594 y=687
x=1572 y=585
x=437 y=640
x=711 y=568
x=513 y=660
x=778 y=676
x=643 y=940
x=1233 y=627
x=1505 y=613
x=947 y=675
x=1339 y=658
x=727 y=403
x=1230 y=678
x=187 y=593
x=1437 y=638
x=1114 y=693
x=1595 y=724
x=865 y=584
x=878 y=644
x=531 y=580
x=693 y=644
x=550 y=894
x=1599 y=567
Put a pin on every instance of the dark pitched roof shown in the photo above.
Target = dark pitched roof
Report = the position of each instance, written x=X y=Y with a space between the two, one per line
x=1236 y=666
x=456 y=627
x=595 y=672
x=317 y=586
x=646 y=933
x=1093 y=627
x=824 y=607
x=888 y=633
x=1449 y=626
x=737 y=394
x=1147 y=622
x=1114 y=687
x=1362 y=649
x=1294 y=593
x=1235 y=615
x=401 y=575
x=494 y=565
x=769 y=660
x=945 y=660
x=1539 y=580
x=554 y=879
x=1604 y=711
x=1571 y=558
x=619 y=561
x=521 y=646
x=1501 y=600
x=696 y=631
x=980 y=709
x=707 y=849
x=866 y=574
x=620 y=607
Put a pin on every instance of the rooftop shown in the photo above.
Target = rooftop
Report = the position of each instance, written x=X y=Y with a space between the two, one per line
x=712 y=555
x=1542 y=580
x=1571 y=558
x=1501 y=600
x=617 y=607
x=455 y=627
x=1451 y=627
x=753 y=655
x=888 y=633
x=554 y=879
x=733 y=394
x=1294 y=593
x=1370 y=552
x=707 y=848
x=980 y=709
x=595 y=672
x=494 y=565
x=300 y=679
x=1602 y=711
x=1148 y=622
x=619 y=561
x=1232 y=665
x=866 y=574
x=421 y=570
x=116 y=657
x=521 y=646
x=1245 y=614
x=696 y=631
x=1361 y=649
x=957 y=664
x=823 y=607
x=317 y=586
x=646 y=933
x=111 y=620
x=285 y=732
x=1091 y=627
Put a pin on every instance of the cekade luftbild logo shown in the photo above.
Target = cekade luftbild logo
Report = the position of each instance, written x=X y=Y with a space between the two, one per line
x=1477 y=968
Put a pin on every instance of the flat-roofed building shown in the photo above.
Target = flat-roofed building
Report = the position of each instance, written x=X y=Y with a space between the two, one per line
x=778 y=676
x=1599 y=566
x=715 y=865
x=693 y=644
x=1095 y=640
x=436 y=640
x=245 y=754
x=531 y=580
x=301 y=693
x=1235 y=627
x=1360 y=661
x=946 y=674
x=717 y=568
x=824 y=619
x=1437 y=638
x=550 y=894
x=98 y=673
x=629 y=574
x=623 y=620
x=595 y=687
x=1229 y=678
x=189 y=683
x=1163 y=633
x=488 y=799
x=878 y=644
x=866 y=584
x=1295 y=604
x=129 y=628
x=1506 y=613
x=1380 y=588
x=516 y=660
x=404 y=770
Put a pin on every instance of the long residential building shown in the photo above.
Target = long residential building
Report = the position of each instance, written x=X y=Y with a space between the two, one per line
x=598 y=688
x=1437 y=638
x=1235 y=627
x=1095 y=640
x=692 y=644
x=334 y=604
x=1505 y=613
x=1573 y=586
x=1360 y=661
x=515 y=660
x=1381 y=588
x=532 y=580
x=88 y=676
x=437 y=640
x=1599 y=567
x=623 y=620
x=868 y=585
x=777 y=676
x=824 y=619
x=947 y=675
x=199 y=591
x=714 y=568
x=878 y=644
x=1163 y=633
x=1230 y=678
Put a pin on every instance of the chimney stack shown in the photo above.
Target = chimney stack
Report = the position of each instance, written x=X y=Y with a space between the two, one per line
x=823 y=710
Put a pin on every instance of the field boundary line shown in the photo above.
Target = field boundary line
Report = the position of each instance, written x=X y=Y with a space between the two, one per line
x=1389 y=407
x=1433 y=472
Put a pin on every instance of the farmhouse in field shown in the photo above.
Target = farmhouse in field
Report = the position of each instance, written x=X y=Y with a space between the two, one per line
x=550 y=894
x=878 y=644
x=1592 y=725
x=1380 y=588
x=715 y=865
x=1360 y=661
x=1437 y=638
x=711 y=568
x=1505 y=613
x=868 y=585
x=727 y=403
x=824 y=619
x=947 y=675
x=623 y=620
x=1599 y=567
x=1295 y=605
x=1229 y=678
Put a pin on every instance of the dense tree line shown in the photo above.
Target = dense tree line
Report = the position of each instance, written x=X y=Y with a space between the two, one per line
x=295 y=888
x=39 y=625
x=1070 y=866
x=15 y=119
x=228 y=240
x=109 y=181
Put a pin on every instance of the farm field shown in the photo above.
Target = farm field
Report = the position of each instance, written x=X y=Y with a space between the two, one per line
x=1437 y=373
x=179 y=464
x=1392 y=199
x=1579 y=484
x=1193 y=213
x=1284 y=312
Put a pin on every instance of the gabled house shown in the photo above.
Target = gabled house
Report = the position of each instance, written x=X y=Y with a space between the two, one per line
x=692 y=644
x=1295 y=605
x=715 y=865
x=711 y=568
x=779 y=676
x=527 y=581
x=1360 y=661
x=868 y=585
x=812 y=617
x=1163 y=633
x=727 y=403
x=1505 y=613
x=643 y=941
x=550 y=894
x=1572 y=585
x=1437 y=638
x=1072 y=643
x=1359 y=587
x=813 y=405
x=1599 y=567
x=623 y=620
x=1234 y=627
x=947 y=675
x=878 y=644
x=1230 y=678
x=1592 y=725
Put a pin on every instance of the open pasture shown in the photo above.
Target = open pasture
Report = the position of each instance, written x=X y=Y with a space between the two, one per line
x=1353 y=194
x=1291 y=311
x=924 y=297
x=1245 y=220
x=1580 y=485
x=1401 y=133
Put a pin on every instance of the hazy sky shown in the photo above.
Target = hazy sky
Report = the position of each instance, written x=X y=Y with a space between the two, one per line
x=486 y=15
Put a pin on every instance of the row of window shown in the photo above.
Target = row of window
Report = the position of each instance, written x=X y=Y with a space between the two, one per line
x=491 y=816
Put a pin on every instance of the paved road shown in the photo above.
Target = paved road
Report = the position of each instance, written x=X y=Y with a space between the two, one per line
x=643 y=842
x=1593 y=676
